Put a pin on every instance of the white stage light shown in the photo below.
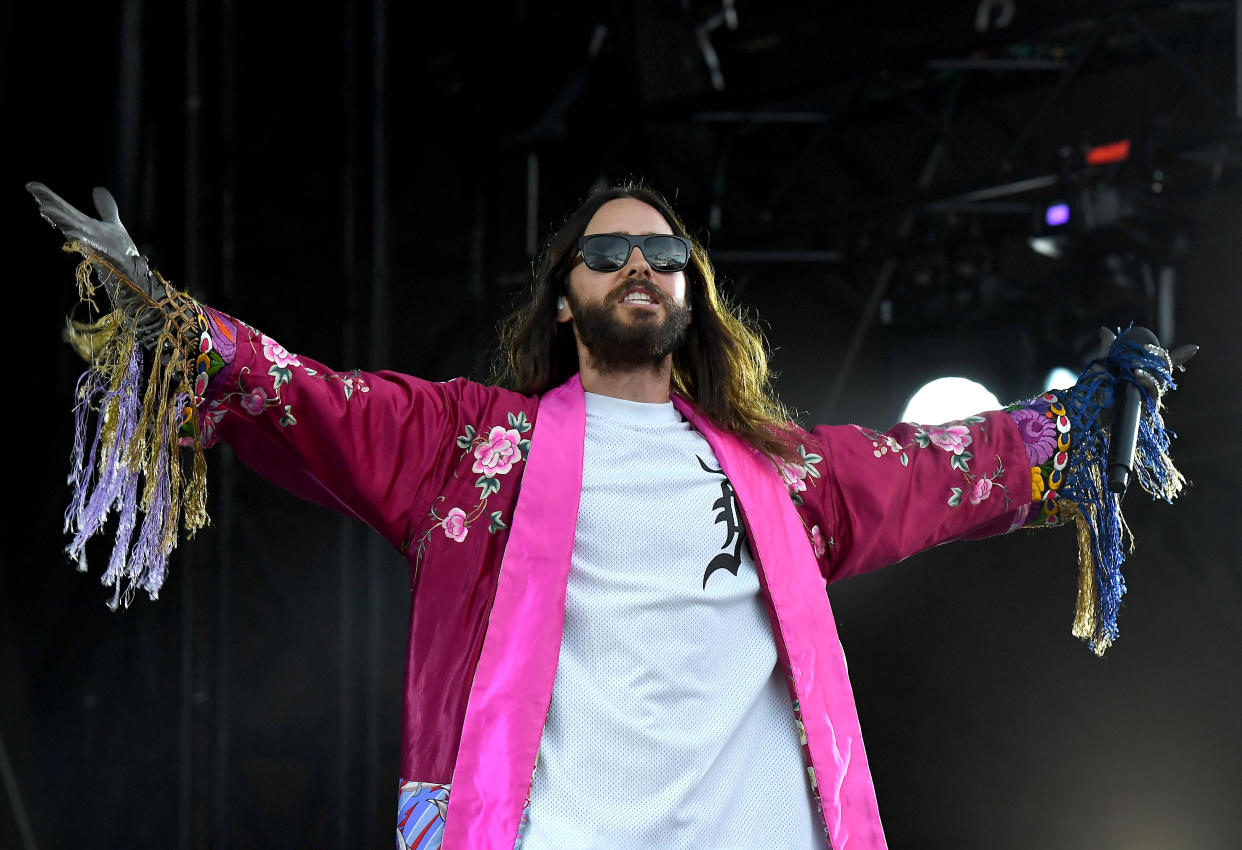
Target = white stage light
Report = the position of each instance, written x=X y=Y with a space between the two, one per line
x=1060 y=378
x=945 y=399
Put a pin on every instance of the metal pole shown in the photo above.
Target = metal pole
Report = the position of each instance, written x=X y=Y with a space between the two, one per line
x=15 y=799
x=877 y=292
x=193 y=103
x=226 y=481
x=532 y=202
x=1177 y=62
x=347 y=553
x=381 y=316
x=1237 y=58
x=129 y=103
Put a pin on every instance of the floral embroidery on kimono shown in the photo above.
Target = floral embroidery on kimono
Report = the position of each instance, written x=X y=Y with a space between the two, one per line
x=953 y=438
x=493 y=456
x=795 y=477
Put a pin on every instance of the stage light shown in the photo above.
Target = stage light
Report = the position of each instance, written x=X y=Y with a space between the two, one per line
x=1051 y=234
x=948 y=398
x=1060 y=378
x=1057 y=214
x=1104 y=154
x=1052 y=247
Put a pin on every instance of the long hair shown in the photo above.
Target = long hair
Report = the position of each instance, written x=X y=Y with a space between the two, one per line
x=722 y=366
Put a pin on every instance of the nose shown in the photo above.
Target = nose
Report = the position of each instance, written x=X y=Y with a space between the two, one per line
x=636 y=263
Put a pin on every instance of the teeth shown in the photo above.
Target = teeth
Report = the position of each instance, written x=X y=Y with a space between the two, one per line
x=639 y=298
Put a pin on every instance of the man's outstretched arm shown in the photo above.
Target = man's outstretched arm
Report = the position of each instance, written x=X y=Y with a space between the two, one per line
x=166 y=372
x=888 y=495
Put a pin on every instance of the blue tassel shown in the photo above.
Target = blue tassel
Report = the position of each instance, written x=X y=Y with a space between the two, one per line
x=1107 y=540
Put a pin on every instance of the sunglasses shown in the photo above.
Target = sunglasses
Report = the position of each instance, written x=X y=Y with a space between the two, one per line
x=608 y=252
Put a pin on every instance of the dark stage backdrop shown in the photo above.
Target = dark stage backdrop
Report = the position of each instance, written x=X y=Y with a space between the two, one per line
x=367 y=183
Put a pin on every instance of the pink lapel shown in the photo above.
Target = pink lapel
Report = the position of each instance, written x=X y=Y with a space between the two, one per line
x=804 y=625
x=517 y=665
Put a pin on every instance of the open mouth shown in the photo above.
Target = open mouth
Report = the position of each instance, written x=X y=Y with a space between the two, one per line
x=640 y=295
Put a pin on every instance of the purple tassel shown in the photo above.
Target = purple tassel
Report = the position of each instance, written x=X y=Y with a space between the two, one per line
x=93 y=495
x=82 y=469
x=127 y=507
x=149 y=559
x=115 y=486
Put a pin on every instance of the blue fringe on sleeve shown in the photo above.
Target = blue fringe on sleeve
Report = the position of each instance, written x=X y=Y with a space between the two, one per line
x=1103 y=537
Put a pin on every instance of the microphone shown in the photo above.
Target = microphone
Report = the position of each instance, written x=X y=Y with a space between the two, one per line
x=1127 y=407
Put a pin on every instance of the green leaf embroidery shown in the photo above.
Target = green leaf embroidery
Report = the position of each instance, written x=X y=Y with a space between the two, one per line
x=280 y=376
x=216 y=362
x=497 y=524
x=920 y=437
x=905 y=461
x=487 y=486
x=519 y=422
x=809 y=459
x=464 y=441
x=956 y=498
x=524 y=448
x=961 y=461
x=288 y=419
x=797 y=499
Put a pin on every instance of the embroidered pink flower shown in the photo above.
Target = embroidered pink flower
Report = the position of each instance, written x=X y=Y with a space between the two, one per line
x=1038 y=432
x=278 y=354
x=818 y=546
x=981 y=490
x=954 y=438
x=497 y=454
x=793 y=475
x=253 y=401
x=211 y=418
x=455 y=525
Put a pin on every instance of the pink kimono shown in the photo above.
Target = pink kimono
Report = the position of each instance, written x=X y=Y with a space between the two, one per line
x=479 y=486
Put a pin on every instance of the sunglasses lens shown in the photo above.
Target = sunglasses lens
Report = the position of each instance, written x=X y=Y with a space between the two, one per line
x=665 y=253
x=605 y=252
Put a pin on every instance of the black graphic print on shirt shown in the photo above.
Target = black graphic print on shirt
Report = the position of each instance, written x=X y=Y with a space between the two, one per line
x=735 y=533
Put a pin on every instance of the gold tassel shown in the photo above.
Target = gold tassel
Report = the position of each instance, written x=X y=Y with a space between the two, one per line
x=1084 y=610
x=108 y=345
x=196 y=490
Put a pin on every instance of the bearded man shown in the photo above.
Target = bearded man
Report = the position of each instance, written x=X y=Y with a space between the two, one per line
x=619 y=632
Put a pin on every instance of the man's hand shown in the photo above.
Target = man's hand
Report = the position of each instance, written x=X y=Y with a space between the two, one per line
x=106 y=239
x=1176 y=360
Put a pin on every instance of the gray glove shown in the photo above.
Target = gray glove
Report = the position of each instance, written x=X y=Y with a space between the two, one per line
x=124 y=273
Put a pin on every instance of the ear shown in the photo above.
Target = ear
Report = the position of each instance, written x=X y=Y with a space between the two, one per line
x=563 y=311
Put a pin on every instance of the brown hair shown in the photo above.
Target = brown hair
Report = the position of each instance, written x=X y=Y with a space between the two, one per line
x=722 y=367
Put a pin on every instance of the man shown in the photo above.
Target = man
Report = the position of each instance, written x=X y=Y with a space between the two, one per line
x=619 y=635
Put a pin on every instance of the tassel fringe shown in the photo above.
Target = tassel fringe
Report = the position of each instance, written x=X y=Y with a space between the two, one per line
x=134 y=463
x=1104 y=539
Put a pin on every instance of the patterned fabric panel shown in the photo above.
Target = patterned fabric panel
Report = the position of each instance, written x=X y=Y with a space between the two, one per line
x=421 y=809
x=1046 y=431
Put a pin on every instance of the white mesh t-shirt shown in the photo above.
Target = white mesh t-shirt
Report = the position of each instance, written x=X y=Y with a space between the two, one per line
x=670 y=724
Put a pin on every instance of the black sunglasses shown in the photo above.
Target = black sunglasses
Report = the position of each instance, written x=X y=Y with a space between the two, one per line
x=607 y=252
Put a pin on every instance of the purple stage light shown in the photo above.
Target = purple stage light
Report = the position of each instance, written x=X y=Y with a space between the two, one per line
x=1056 y=215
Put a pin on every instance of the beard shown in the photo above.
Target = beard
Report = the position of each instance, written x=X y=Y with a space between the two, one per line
x=619 y=346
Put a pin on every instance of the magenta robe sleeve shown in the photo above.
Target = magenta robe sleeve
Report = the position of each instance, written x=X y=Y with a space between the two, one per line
x=372 y=445
x=888 y=495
